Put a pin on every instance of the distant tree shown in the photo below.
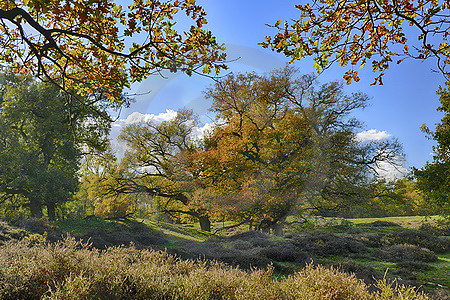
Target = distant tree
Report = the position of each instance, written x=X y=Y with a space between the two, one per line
x=157 y=164
x=387 y=198
x=359 y=32
x=434 y=178
x=88 y=45
x=41 y=142
x=286 y=143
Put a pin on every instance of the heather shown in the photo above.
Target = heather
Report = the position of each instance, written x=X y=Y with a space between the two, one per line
x=32 y=268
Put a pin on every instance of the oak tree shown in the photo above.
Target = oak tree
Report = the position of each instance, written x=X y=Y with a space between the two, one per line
x=288 y=144
x=41 y=144
x=89 y=45
x=434 y=178
x=158 y=164
x=360 y=32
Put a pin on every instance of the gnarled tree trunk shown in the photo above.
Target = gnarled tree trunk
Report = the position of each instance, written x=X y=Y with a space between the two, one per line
x=205 y=223
x=51 y=211
x=35 y=208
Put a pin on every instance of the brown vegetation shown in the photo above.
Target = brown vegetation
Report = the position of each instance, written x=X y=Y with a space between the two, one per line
x=71 y=270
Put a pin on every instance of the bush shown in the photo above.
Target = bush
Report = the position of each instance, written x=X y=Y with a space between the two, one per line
x=324 y=283
x=414 y=266
x=320 y=223
x=246 y=261
x=419 y=238
x=42 y=226
x=383 y=224
x=372 y=240
x=70 y=270
x=442 y=228
x=241 y=245
x=366 y=273
x=123 y=234
x=405 y=253
x=326 y=243
x=8 y=232
x=249 y=235
x=285 y=251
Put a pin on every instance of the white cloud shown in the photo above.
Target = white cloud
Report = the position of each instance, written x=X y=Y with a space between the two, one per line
x=137 y=117
x=391 y=172
x=199 y=132
x=119 y=147
x=372 y=135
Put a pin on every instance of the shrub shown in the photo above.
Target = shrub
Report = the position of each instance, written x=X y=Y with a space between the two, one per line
x=326 y=243
x=42 y=226
x=393 y=290
x=70 y=270
x=383 y=224
x=373 y=240
x=139 y=235
x=366 y=273
x=323 y=283
x=285 y=251
x=405 y=253
x=255 y=238
x=419 y=238
x=248 y=235
x=246 y=261
x=442 y=228
x=9 y=232
x=414 y=266
x=320 y=223
x=241 y=245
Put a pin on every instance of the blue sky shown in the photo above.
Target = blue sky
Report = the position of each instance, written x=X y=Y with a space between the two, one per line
x=405 y=101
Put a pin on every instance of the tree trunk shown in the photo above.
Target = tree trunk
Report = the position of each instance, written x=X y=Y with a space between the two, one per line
x=51 y=211
x=35 y=208
x=278 y=228
x=205 y=223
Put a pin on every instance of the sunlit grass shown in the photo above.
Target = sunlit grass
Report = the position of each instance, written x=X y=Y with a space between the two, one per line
x=186 y=232
x=439 y=272
x=405 y=221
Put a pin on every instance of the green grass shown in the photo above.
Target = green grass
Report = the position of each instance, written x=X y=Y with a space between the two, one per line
x=81 y=226
x=379 y=265
x=406 y=221
x=439 y=273
x=183 y=231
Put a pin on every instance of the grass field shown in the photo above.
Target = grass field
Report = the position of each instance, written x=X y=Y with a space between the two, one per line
x=408 y=221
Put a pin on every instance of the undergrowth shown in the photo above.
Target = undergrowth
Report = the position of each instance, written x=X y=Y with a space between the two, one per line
x=71 y=270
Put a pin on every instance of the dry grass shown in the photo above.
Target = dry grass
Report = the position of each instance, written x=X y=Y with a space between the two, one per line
x=71 y=270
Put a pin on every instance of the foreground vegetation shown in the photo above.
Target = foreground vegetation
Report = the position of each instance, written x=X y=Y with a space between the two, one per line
x=127 y=260
x=71 y=270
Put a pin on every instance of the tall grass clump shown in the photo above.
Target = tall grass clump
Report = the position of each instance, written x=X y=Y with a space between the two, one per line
x=72 y=270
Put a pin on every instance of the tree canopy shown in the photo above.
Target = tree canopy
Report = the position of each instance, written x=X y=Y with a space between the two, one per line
x=288 y=144
x=434 y=177
x=383 y=32
x=357 y=32
x=90 y=45
x=41 y=143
